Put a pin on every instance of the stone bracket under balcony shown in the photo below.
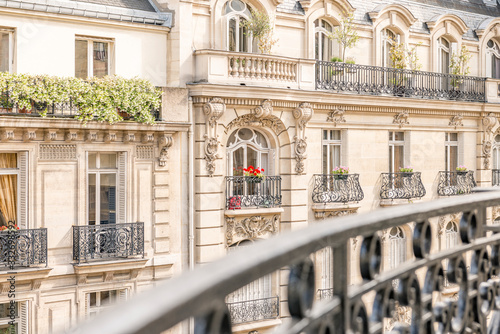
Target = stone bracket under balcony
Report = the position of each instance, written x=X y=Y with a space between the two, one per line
x=24 y=276
x=108 y=271
x=325 y=210
x=251 y=224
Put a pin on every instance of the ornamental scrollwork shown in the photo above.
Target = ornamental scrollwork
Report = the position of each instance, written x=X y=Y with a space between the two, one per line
x=250 y=228
x=165 y=142
x=270 y=122
x=336 y=116
x=401 y=118
x=487 y=145
x=213 y=110
x=264 y=110
x=456 y=121
x=489 y=123
x=302 y=115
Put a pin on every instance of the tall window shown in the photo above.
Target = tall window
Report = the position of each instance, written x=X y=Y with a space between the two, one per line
x=397 y=247
x=444 y=54
x=496 y=153
x=247 y=147
x=238 y=37
x=102 y=181
x=97 y=302
x=9 y=197
x=396 y=151
x=492 y=60
x=451 y=151
x=331 y=150
x=92 y=57
x=6 y=49
x=388 y=39
x=325 y=48
x=20 y=318
x=451 y=239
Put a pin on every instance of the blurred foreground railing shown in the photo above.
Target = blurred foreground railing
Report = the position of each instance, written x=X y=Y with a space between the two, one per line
x=201 y=293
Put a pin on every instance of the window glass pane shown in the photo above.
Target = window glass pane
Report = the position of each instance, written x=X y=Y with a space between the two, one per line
x=453 y=136
x=8 y=199
x=4 y=52
x=105 y=297
x=398 y=158
x=8 y=329
x=92 y=160
x=243 y=36
x=260 y=139
x=399 y=136
x=252 y=157
x=108 y=199
x=108 y=160
x=316 y=45
x=245 y=134
x=93 y=298
x=336 y=135
x=81 y=50
x=453 y=158
x=101 y=57
x=232 y=35
x=335 y=156
x=238 y=162
x=8 y=160
x=5 y=310
x=264 y=157
x=92 y=199
x=325 y=134
x=325 y=160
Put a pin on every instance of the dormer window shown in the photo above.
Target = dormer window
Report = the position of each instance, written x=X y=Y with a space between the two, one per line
x=492 y=60
x=389 y=38
x=445 y=50
x=238 y=37
x=325 y=48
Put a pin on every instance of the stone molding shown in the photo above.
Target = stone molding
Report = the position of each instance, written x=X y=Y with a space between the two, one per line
x=213 y=110
x=456 y=121
x=336 y=116
x=165 y=142
x=401 y=118
x=250 y=228
x=57 y=152
x=302 y=115
x=144 y=152
x=271 y=122
x=322 y=211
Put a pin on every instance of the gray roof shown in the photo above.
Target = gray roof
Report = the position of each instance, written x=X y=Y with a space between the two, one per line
x=290 y=6
x=131 y=4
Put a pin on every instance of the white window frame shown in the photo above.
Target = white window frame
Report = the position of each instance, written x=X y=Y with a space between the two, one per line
x=319 y=31
x=386 y=44
x=121 y=295
x=496 y=152
x=12 y=48
x=392 y=143
x=328 y=144
x=238 y=15
x=240 y=143
x=448 y=144
x=21 y=318
x=90 y=53
x=398 y=247
x=444 y=49
x=490 y=53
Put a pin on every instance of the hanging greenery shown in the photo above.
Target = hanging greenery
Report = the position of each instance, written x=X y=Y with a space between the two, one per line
x=261 y=27
x=101 y=99
x=346 y=34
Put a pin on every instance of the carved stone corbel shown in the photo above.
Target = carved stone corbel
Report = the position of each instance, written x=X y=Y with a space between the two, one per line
x=50 y=135
x=401 y=119
x=108 y=276
x=29 y=135
x=165 y=142
x=487 y=145
x=36 y=284
x=264 y=110
x=148 y=137
x=91 y=136
x=251 y=228
x=82 y=279
x=7 y=134
x=489 y=123
x=128 y=137
x=302 y=115
x=456 y=121
x=110 y=137
x=213 y=110
x=70 y=135
x=336 y=116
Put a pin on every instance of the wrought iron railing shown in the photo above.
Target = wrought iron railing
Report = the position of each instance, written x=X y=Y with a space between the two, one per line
x=376 y=80
x=92 y=242
x=495 y=177
x=402 y=186
x=249 y=191
x=254 y=310
x=201 y=293
x=455 y=183
x=325 y=293
x=330 y=188
x=23 y=248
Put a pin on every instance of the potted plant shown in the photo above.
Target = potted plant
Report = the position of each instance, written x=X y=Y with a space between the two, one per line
x=10 y=227
x=234 y=203
x=461 y=170
x=406 y=171
x=253 y=174
x=459 y=66
x=340 y=173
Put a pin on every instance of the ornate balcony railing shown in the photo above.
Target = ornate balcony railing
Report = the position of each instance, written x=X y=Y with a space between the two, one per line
x=201 y=293
x=402 y=186
x=495 y=177
x=455 y=183
x=93 y=242
x=254 y=310
x=23 y=248
x=329 y=188
x=248 y=192
x=375 y=80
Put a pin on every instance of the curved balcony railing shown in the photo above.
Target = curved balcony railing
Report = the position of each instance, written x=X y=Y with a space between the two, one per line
x=353 y=308
x=495 y=177
x=23 y=248
x=254 y=310
x=105 y=241
x=253 y=192
x=402 y=186
x=376 y=80
x=330 y=188
x=455 y=183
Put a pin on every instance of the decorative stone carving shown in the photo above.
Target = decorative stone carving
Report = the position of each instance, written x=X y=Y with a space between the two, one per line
x=444 y=220
x=36 y=284
x=487 y=145
x=302 y=115
x=70 y=135
x=50 y=135
x=322 y=214
x=110 y=137
x=91 y=136
x=148 y=137
x=82 y=279
x=271 y=122
x=336 y=116
x=108 y=276
x=264 y=110
x=29 y=135
x=489 y=123
x=165 y=143
x=7 y=134
x=145 y=152
x=402 y=314
x=401 y=119
x=57 y=152
x=250 y=228
x=495 y=213
x=456 y=121
x=213 y=110
x=129 y=137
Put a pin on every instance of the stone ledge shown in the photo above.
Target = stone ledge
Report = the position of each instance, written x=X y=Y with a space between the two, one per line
x=393 y=202
x=25 y=274
x=247 y=327
x=324 y=210
x=102 y=266
x=253 y=212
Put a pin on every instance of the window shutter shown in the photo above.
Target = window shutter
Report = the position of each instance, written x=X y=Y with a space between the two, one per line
x=23 y=190
x=122 y=295
x=489 y=64
x=121 y=195
x=23 y=317
x=86 y=306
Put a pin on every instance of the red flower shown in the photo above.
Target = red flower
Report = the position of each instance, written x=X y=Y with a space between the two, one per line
x=250 y=167
x=262 y=169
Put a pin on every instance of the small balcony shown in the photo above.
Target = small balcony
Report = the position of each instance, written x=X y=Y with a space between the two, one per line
x=495 y=177
x=330 y=188
x=254 y=310
x=455 y=183
x=108 y=241
x=402 y=186
x=23 y=248
x=253 y=192
x=376 y=80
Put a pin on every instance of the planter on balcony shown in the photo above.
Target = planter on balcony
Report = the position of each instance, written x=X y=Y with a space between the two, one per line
x=253 y=179
x=340 y=176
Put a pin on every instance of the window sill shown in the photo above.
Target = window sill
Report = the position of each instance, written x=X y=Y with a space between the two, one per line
x=113 y=265
x=252 y=212
x=259 y=324
x=324 y=210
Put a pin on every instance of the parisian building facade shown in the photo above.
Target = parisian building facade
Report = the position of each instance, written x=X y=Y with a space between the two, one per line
x=106 y=211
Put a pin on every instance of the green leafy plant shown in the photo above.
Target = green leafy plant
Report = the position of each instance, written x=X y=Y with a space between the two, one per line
x=345 y=34
x=403 y=57
x=261 y=27
x=336 y=60
x=340 y=170
x=461 y=168
x=96 y=98
x=350 y=60
x=459 y=65
x=407 y=169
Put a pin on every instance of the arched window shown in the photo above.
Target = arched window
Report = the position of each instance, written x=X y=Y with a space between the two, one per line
x=325 y=48
x=492 y=60
x=238 y=37
x=496 y=153
x=397 y=247
x=451 y=235
x=444 y=55
x=248 y=147
x=388 y=40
